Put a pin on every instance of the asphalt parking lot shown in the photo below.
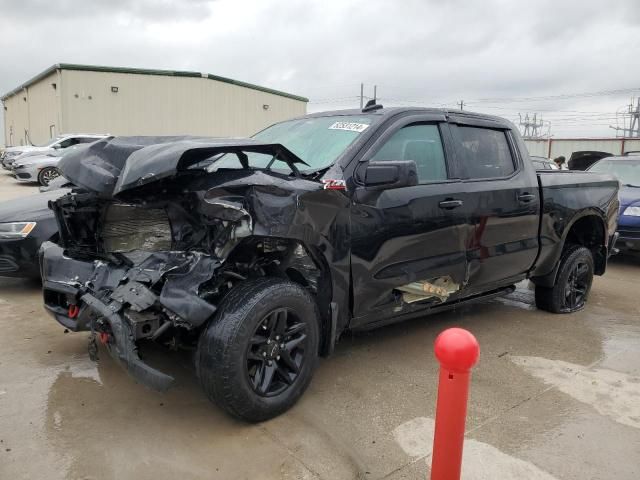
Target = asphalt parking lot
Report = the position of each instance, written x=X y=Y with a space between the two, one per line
x=553 y=397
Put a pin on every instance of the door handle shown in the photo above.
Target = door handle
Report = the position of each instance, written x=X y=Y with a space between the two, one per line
x=526 y=197
x=450 y=204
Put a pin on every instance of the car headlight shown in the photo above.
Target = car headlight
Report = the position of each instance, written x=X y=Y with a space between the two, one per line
x=15 y=230
x=17 y=165
x=632 y=211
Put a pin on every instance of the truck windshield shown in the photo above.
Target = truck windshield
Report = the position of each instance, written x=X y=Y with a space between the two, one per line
x=319 y=141
x=627 y=171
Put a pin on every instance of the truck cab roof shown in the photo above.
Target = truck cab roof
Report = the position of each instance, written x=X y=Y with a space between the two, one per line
x=389 y=112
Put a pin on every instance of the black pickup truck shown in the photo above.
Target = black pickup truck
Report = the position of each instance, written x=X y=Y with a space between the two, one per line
x=258 y=253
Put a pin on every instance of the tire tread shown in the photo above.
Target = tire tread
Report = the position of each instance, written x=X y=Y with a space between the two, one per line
x=217 y=352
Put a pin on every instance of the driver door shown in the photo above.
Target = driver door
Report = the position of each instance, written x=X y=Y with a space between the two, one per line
x=412 y=235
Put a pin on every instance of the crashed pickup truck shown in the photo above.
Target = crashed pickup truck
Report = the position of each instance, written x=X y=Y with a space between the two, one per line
x=259 y=253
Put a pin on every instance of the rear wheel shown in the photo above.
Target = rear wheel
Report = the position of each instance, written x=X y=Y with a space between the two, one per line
x=573 y=283
x=47 y=174
x=258 y=354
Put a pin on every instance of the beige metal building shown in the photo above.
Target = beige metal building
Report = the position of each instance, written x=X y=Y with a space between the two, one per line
x=70 y=98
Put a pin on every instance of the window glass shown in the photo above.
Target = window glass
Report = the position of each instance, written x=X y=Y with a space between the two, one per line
x=68 y=142
x=484 y=153
x=319 y=141
x=625 y=170
x=420 y=143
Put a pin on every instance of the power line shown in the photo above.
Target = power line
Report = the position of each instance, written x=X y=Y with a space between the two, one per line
x=564 y=96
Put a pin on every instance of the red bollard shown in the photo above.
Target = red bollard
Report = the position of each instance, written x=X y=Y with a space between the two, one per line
x=457 y=350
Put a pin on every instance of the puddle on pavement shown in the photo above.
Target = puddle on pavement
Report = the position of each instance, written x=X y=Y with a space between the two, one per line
x=109 y=427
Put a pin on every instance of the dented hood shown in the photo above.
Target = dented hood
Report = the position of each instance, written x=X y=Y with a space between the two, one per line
x=116 y=164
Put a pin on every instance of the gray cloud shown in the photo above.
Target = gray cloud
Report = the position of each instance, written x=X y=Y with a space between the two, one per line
x=416 y=51
x=76 y=10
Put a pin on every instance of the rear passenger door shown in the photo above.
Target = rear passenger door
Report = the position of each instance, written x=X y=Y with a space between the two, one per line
x=502 y=204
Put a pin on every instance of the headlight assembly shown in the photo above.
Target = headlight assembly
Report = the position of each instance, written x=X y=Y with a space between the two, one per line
x=16 y=230
x=632 y=211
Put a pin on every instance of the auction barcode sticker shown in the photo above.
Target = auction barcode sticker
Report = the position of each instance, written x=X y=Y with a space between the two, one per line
x=350 y=126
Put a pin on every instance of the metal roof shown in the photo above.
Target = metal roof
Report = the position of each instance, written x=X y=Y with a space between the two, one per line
x=145 y=71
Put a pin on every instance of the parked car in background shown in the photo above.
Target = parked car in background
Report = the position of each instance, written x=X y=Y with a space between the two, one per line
x=25 y=223
x=627 y=170
x=11 y=154
x=258 y=253
x=582 y=160
x=41 y=168
x=543 y=163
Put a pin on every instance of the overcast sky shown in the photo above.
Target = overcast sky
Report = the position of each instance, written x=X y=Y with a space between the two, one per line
x=498 y=56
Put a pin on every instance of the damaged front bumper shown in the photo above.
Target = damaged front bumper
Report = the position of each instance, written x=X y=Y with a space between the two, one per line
x=128 y=302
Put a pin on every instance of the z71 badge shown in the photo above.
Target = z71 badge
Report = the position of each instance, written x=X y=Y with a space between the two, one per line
x=334 y=184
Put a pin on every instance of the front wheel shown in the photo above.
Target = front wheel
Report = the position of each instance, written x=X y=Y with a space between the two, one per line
x=258 y=354
x=47 y=174
x=573 y=283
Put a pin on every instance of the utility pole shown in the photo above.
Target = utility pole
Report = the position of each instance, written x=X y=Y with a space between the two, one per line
x=375 y=94
x=461 y=104
x=634 y=127
x=361 y=95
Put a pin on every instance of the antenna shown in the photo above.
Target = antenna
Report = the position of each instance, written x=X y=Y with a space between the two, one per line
x=371 y=106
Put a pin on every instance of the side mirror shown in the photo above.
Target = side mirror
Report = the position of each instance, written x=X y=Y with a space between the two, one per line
x=56 y=146
x=385 y=175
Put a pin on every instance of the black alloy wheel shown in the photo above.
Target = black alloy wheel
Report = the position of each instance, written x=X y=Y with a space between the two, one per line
x=577 y=286
x=276 y=352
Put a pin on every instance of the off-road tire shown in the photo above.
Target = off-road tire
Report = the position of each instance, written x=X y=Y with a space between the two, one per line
x=42 y=175
x=554 y=299
x=221 y=357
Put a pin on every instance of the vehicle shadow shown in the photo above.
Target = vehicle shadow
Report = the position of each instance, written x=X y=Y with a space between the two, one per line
x=625 y=259
x=9 y=285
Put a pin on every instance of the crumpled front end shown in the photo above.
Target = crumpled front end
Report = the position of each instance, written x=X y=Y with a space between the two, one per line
x=128 y=302
x=145 y=269
x=156 y=263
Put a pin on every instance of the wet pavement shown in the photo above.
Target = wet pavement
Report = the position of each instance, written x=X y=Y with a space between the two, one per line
x=553 y=397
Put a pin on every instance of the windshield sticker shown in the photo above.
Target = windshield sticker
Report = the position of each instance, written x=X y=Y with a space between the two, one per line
x=349 y=126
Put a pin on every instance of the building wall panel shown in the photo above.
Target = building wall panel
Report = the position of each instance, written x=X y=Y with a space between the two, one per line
x=168 y=105
x=16 y=119
x=44 y=118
